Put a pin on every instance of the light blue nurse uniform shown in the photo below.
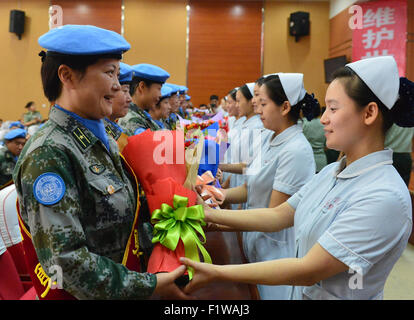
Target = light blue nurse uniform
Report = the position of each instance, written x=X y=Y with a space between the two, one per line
x=250 y=144
x=361 y=215
x=285 y=164
x=232 y=151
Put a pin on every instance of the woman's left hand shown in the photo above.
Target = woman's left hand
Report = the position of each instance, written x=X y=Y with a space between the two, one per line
x=204 y=273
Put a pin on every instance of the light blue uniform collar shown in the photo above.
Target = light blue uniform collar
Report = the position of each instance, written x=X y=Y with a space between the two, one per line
x=286 y=135
x=364 y=164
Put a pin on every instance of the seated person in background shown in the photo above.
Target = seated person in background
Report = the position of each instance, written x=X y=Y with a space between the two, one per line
x=32 y=116
x=399 y=139
x=214 y=100
x=315 y=134
x=14 y=143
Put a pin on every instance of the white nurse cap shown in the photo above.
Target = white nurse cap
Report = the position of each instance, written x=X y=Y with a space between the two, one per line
x=292 y=84
x=250 y=86
x=380 y=74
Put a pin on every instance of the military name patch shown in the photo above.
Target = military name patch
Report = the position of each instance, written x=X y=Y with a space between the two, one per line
x=49 y=188
x=97 y=168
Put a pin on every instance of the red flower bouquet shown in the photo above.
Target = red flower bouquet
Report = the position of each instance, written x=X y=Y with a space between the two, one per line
x=158 y=159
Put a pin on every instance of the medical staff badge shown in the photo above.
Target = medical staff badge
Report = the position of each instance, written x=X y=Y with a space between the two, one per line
x=49 y=188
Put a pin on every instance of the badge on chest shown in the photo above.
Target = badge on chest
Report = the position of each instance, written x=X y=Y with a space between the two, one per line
x=97 y=168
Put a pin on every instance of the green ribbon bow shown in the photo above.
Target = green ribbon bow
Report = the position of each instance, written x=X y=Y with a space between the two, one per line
x=181 y=222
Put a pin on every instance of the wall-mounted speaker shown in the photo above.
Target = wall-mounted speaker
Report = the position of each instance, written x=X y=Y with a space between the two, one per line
x=299 y=24
x=17 y=22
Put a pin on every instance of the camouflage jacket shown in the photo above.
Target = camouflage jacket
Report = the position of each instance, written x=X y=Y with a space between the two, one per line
x=112 y=129
x=135 y=119
x=86 y=231
x=171 y=122
x=7 y=164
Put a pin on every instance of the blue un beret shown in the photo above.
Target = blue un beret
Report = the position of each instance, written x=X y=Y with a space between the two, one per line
x=174 y=88
x=125 y=73
x=187 y=98
x=83 y=40
x=15 y=133
x=150 y=72
x=16 y=124
x=165 y=91
x=183 y=89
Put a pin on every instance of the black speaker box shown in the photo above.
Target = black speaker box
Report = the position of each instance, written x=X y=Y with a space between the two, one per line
x=17 y=22
x=299 y=24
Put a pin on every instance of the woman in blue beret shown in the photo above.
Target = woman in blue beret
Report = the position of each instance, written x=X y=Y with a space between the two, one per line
x=122 y=100
x=78 y=203
x=352 y=220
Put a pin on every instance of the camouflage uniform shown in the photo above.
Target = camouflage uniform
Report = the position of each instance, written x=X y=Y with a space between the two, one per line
x=145 y=227
x=7 y=164
x=171 y=122
x=29 y=116
x=86 y=232
x=135 y=119
x=112 y=130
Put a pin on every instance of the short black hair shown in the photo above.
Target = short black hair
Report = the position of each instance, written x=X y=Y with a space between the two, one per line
x=260 y=81
x=135 y=82
x=277 y=94
x=244 y=89
x=214 y=96
x=29 y=104
x=232 y=93
x=52 y=86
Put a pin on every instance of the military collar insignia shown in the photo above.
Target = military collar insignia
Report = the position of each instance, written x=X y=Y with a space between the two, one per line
x=97 y=168
x=109 y=131
x=81 y=138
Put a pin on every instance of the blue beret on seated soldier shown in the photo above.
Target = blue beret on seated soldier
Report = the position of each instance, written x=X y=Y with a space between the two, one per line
x=14 y=142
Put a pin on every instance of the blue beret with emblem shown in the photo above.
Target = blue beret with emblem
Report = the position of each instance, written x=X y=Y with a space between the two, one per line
x=165 y=91
x=125 y=73
x=174 y=88
x=150 y=72
x=187 y=98
x=15 y=133
x=83 y=40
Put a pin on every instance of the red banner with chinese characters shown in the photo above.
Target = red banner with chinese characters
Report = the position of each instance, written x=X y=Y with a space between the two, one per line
x=383 y=33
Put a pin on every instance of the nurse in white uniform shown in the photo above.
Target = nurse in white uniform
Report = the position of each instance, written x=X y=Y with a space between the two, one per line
x=243 y=142
x=284 y=164
x=233 y=134
x=352 y=220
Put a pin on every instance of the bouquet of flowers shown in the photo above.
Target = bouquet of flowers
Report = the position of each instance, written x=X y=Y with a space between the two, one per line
x=159 y=160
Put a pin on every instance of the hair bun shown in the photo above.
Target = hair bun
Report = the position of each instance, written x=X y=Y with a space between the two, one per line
x=403 y=110
x=310 y=106
x=42 y=54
